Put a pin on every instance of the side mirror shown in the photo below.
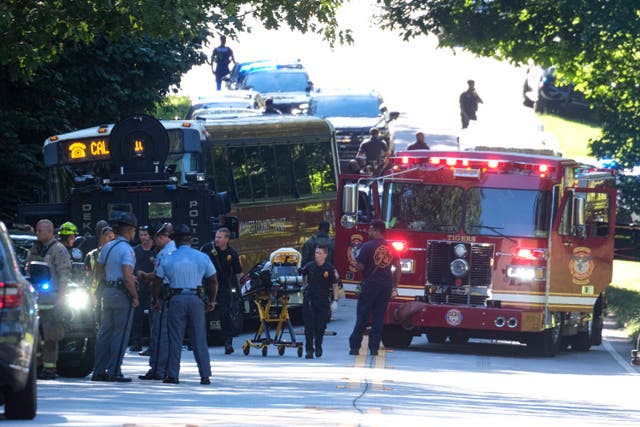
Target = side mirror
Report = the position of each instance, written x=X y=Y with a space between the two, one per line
x=579 y=229
x=394 y=115
x=349 y=205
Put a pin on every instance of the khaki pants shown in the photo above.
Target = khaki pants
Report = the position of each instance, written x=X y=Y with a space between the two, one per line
x=52 y=331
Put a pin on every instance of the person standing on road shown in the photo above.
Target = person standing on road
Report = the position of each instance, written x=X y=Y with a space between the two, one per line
x=379 y=284
x=145 y=255
x=222 y=56
x=159 y=333
x=229 y=272
x=372 y=153
x=90 y=265
x=119 y=299
x=50 y=251
x=469 y=100
x=321 y=238
x=185 y=269
x=320 y=280
x=419 y=143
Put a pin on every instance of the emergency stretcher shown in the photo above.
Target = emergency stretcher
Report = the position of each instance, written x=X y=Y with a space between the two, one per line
x=270 y=284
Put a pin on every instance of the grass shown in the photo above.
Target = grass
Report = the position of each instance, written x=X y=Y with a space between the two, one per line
x=573 y=137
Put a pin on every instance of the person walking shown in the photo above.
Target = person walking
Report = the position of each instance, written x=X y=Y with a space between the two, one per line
x=145 y=255
x=185 y=269
x=119 y=299
x=221 y=57
x=419 y=143
x=469 y=100
x=50 y=251
x=321 y=238
x=159 y=333
x=320 y=280
x=379 y=284
x=229 y=272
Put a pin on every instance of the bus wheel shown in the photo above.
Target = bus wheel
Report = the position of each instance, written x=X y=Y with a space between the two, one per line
x=394 y=336
x=436 y=337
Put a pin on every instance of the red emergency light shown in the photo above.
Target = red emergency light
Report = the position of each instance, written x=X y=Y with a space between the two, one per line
x=398 y=245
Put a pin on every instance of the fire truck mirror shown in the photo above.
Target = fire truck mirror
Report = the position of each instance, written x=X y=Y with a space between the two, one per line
x=350 y=199
x=578 y=217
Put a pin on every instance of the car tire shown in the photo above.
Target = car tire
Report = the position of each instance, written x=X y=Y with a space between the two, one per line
x=22 y=405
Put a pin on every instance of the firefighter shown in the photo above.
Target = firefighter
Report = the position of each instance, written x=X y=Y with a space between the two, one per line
x=68 y=232
x=49 y=250
x=320 y=279
x=185 y=269
x=159 y=335
x=119 y=299
x=229 y=272
x=375 y=259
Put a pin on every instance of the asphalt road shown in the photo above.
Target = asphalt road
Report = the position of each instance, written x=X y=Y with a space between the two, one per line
x=480 y=383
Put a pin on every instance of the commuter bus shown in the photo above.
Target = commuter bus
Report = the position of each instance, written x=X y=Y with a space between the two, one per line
x=275 y=175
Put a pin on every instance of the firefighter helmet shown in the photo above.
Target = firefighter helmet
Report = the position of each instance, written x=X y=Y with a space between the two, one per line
x=68 y=229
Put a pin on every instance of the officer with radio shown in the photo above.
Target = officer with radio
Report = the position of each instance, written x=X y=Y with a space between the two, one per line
x=50 y=251
x=185 y=269
x=119 y=299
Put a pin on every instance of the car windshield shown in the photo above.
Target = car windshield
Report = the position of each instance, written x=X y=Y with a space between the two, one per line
x=345 y=106
x=276 y=81
x=438 y=208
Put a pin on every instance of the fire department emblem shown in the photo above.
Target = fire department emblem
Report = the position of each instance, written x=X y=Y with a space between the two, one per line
x=382 y=257
x=325 y=274
x=454 y=317
x=581 y=265
x=353 y=250
x=228 y=257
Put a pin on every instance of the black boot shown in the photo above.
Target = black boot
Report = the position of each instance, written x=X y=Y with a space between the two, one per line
x=228 y=346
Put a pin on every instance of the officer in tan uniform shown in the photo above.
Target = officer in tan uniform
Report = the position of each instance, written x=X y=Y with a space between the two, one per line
x=49 y=250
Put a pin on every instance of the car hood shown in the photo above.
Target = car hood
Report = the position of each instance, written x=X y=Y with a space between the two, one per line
x=355 y=122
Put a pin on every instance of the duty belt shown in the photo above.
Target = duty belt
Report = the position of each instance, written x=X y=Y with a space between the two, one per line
x=187 y=291
x=114 y=284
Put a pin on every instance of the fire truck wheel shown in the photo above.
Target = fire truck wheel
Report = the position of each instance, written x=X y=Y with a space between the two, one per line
x=546 y=343
x=436 y=337
x=596 y=331
x=394 y=336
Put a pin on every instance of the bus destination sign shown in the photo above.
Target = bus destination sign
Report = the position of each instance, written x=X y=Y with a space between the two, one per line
x=85 y=149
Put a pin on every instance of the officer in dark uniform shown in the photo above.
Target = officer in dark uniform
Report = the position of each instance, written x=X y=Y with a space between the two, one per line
x=375 y=259
x=185 y=269
x=229 y=272
x=320 y=281
x=119 y=299
x=222 y=56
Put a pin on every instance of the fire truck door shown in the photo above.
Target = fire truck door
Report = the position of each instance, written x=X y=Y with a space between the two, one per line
x=581 y=248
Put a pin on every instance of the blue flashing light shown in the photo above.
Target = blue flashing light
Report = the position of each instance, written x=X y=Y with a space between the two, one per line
x=45 y=287
x=610 y=164
x=172 y=187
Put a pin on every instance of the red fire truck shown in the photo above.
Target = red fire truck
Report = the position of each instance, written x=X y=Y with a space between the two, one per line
x=513 y=246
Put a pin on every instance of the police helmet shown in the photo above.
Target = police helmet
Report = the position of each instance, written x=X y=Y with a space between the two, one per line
x=68 y=229
x=162 y=228
x=128 y=218
x=182 y=230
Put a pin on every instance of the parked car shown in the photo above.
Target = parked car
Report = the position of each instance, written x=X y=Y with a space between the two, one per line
x=353 y=113
x=287 y=84
x=543 y=92
x=18 y=335
x=226 y=103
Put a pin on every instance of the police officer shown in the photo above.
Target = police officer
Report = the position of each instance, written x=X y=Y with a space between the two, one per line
x=145 y=257
x=319 y=278
x=375 y=259
x=119 y=299
x=228 y=272
x=49 y=250
x=159 y=334
x=185 y=269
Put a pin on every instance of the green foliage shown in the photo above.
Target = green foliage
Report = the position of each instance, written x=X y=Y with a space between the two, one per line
x=172 y=107
x=594 y=43
x=625 y=303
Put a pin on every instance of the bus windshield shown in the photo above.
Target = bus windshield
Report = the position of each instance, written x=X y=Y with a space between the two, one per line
x=438 y=208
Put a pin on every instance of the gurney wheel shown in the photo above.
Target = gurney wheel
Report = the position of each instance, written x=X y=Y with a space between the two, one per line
x=264 y=351
x=281 y=350
x=245 y=349
x=300 y=351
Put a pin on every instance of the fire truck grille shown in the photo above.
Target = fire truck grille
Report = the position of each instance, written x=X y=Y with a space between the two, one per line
x=477 y=260
x=456 y=299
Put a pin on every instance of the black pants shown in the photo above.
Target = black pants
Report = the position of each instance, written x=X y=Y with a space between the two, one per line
x=224 y=306
x=316 y=314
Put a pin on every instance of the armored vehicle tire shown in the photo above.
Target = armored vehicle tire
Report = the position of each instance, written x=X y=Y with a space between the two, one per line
x=436 y=337
x=76 y=357
x=22 y=405
x=394 y=336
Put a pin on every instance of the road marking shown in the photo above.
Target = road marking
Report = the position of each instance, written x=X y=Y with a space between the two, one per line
x=625 y=364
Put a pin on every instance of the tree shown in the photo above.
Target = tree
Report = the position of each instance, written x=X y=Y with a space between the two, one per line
x=65 y=65
x=594 y=43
